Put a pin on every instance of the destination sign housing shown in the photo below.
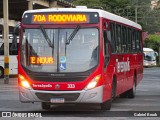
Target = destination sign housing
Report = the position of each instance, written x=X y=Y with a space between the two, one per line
x=60 y=18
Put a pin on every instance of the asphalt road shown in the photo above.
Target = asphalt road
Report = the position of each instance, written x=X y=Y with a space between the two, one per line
x=147 y=99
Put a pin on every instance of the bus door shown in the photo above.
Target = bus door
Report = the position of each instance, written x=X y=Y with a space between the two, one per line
x=13 y=60
x=108 y=68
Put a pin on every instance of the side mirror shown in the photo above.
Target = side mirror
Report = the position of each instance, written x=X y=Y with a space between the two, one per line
x=156 y=54
x=16 y=29
x=15 y=35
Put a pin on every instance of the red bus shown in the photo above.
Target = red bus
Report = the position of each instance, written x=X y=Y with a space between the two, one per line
x=73 y=55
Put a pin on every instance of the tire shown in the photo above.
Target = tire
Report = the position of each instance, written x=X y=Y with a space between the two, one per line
x=1 y=72
x=124 y=95
x=114 y=84
x=45 y=106
x=132 y=92
x=107 y=104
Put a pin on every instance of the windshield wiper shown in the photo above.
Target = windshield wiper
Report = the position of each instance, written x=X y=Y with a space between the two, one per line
x=46 y=37
x=72 y=35
x=70 y=38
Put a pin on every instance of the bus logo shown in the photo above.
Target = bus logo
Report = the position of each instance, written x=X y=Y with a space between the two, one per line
x=123 y=66
x=57 y=86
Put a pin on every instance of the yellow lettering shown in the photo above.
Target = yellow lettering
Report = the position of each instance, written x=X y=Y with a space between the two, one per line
x=39 y=18
x=64 y=17
x=60 y=18
x=41 y=60
x=54 y=18
x=84 y=19
x=74 y=17
x=38 y=60
x=79 y=17
x=43 y=18
x=35 y=18
x=49 y=18
x=50 y=60
x=69 y=18
x=33 y=60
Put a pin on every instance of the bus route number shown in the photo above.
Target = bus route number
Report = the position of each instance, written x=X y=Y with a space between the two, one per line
x=71 y=86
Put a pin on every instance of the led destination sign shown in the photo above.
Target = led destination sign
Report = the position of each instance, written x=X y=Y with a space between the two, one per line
x=60 y=18
x=41 y=60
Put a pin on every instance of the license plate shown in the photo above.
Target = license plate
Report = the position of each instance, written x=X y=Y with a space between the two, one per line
x=57 y=100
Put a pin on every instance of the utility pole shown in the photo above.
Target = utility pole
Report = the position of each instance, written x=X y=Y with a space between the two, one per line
x=30 y=5
x=6 y=46
x=136 y=14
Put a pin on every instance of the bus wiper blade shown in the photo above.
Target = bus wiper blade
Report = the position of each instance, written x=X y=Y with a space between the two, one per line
x=46 y=37
x=70 y=38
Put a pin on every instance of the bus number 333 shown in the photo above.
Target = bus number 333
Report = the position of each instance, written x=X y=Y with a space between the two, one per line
x=71 y=86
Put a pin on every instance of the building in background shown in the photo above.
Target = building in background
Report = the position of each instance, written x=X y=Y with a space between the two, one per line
x=17 y=7
x=15 y=10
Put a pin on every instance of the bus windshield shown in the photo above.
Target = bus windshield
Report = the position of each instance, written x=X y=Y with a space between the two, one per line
x=81 y=54
x=149 y=55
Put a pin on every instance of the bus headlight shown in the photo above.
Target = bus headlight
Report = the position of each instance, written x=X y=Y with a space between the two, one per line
x=93 y=82
x=24 y=83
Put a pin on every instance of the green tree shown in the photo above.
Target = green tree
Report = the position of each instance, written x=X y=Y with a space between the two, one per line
x=148 y=18
x=153 y=41
x=106 y=4
x=88 y=3
x=115 y=4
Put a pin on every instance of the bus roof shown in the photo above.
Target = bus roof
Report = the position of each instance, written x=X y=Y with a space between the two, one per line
x=147 y=49
x=102 y=13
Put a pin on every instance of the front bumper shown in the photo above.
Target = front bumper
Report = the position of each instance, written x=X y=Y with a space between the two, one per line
x=153 y=63
x=84 y=96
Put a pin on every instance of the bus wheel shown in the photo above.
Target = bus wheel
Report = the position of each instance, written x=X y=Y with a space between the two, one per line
x=132 y=92
x=124 y=95
x=45 y=106
x=106 y=105
x=1 y=72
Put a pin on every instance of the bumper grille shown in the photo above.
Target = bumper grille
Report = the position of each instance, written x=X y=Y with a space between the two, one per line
x=66 y=96
x=57 y=79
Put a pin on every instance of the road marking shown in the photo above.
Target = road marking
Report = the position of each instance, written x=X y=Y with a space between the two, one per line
x=138 y=104
x=8 y=90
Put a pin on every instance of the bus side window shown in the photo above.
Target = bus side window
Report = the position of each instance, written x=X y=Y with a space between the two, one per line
x=118 y=39
x=133 y=41
x=140 y=42
x=124 y=39
x=113 y=42
x=129 y=40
